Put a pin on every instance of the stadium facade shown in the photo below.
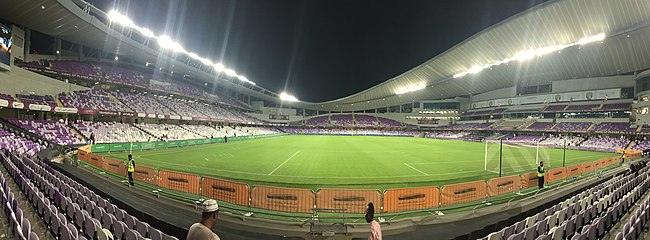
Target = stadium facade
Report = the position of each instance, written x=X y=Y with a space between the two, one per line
x=565 y=71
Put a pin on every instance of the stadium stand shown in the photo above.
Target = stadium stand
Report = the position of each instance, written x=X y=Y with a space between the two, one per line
x=604 y=144
x=572 y=126
x=365 y=120
x=37 y=99
x=92 y=99
x=111 y=132
x=588 y=215
x=143 y=103
x=54 y=131
x=541 y=126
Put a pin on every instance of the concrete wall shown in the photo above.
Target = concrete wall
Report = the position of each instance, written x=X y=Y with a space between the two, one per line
x=496 y=94
x=19 y=80
x=595 y=83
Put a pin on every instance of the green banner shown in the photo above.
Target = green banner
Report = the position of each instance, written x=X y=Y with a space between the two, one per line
x=148 y=145
x=161 y=144
x=116 y=147
x=100 y=148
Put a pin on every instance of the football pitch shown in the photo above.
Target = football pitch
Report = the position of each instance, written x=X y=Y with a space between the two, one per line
x=350 y=161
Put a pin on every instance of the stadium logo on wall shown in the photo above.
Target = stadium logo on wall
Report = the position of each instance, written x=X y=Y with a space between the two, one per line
x=510 y=101
x=558 y=97
x=590 y=95
x=473 y=105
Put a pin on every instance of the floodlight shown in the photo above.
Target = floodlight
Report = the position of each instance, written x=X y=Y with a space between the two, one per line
x=595 y=38
x=206 y=61
x=524 y=55
x=219 y=67
x=230 y=72
x=193 y=55
x=458 y=75
x=167 y=43
x=410 y=88
x=286 y=97
x=146 y=32
x=475 y=69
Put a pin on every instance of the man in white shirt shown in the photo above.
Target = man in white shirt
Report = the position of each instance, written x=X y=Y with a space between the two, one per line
x=203 y=230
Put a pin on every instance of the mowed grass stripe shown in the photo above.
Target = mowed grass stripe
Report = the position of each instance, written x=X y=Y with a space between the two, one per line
x=350 y=161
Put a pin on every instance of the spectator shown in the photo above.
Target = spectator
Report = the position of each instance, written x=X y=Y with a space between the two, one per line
x=375 y=228
x=203 y=230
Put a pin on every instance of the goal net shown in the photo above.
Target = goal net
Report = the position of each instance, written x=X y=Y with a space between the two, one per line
x=512 y=158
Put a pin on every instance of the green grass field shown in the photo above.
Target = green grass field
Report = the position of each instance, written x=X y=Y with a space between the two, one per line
x=351 y=162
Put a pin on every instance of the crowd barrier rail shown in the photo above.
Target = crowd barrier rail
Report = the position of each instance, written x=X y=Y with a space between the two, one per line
x=352 y=200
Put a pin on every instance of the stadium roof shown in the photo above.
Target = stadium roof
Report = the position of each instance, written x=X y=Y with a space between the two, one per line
x=624 y=49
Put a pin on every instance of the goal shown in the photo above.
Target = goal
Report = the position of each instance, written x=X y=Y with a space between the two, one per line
x=510 y=158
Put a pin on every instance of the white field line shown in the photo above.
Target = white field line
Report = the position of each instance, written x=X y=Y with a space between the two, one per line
x=285 y=161
x=310 y=177
x=416 y=169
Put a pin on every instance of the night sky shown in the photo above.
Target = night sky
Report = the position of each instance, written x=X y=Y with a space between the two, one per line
x=318 y=50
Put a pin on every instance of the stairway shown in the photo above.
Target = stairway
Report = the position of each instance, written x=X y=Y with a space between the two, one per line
x=629 y=145
x=591 y=126
x=638 y=129
x=118 y=101
x=58 y=102
x=76 y=132
x=147 y=132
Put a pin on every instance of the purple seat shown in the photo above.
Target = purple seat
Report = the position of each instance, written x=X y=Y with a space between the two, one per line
x=120 y=229
x=130 y=221
x=90 y=228
x=119 y=214
x=132 y=235
x=155 y=234
x=107 y=221
x=74 y=234
x=33 y=236
x=27 y=227
x=142 y=228
x=529 y=233
x=64 y=233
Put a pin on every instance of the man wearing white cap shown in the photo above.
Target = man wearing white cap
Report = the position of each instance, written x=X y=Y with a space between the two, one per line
x=203 y=230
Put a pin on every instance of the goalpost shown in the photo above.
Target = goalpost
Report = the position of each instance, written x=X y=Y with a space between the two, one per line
x=509 y=158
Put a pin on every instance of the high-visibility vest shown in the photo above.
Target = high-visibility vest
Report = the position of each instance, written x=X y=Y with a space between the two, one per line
x=540 y=171
x=130 y=166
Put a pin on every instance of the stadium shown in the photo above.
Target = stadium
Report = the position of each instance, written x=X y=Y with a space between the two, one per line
x=534 y=127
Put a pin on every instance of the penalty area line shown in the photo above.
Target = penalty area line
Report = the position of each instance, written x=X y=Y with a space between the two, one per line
x=285 y=161
x=416 y=169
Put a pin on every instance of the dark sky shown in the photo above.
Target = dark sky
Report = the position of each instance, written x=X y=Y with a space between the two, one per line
x=318 y=50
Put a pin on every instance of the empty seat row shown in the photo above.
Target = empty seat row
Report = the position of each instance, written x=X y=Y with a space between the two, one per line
x=587 y=215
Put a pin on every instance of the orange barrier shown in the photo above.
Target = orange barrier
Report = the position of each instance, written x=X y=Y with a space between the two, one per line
x=227 y=191
x=282 y=199
x=612 y=160
x=554 y=175
x=114 y=166
x=146 y=174
x=502 y=185
x=572 y=171
x=95 y=160
x=353 y=200
x=588 y=167
x=599 y=164
x=179 y=181
x=403 y=199
x=462 y=192
x=529 y=180
x=82 y=155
